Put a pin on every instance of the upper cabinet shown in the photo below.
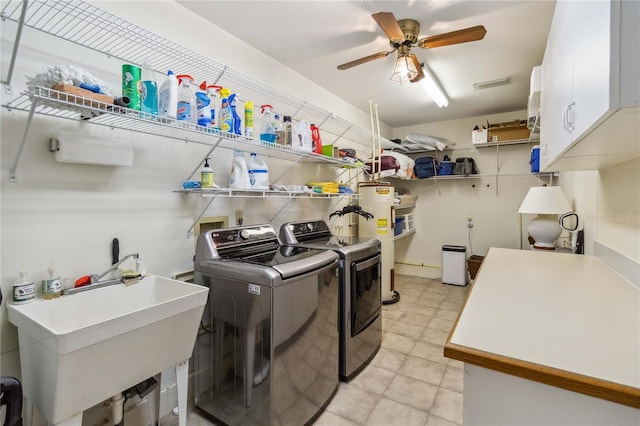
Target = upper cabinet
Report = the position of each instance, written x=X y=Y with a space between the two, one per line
x=590 y=98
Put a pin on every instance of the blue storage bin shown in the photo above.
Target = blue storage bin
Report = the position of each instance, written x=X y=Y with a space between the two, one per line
x=399 y=226
x=446 y=168
x=535 y=159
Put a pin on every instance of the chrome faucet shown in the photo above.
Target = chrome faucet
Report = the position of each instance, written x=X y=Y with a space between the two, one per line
x=95 y=279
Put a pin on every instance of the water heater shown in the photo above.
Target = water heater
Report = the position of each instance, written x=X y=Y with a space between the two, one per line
x=377 y=199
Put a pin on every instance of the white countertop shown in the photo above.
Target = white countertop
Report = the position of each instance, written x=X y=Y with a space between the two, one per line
x=564 y=311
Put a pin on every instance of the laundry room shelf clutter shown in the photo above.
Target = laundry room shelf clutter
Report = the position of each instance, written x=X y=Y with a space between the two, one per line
x=77 y=22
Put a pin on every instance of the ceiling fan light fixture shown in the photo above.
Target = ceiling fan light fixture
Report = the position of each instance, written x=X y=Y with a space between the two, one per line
x=405 y=70
x=431 y=86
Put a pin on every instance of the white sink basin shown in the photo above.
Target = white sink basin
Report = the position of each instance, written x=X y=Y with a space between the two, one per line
x=81 y=349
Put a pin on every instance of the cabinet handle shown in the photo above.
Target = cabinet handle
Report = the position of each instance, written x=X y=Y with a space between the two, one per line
x=571 y=116
x=568 y=125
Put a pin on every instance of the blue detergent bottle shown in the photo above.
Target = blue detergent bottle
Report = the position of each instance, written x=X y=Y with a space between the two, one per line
x=268 y=128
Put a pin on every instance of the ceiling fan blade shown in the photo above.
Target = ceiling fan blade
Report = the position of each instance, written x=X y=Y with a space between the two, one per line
x=454 y=37
x=363 y=60
x=420 y=75
x=389 y=25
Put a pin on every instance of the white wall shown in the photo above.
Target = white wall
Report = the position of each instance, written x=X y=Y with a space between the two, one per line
x=443 y=206
x=609 y=202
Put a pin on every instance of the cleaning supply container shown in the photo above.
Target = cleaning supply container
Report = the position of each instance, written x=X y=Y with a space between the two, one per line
x=454 y=265
x=258 y=172
x=267 y=128
x=131 y=75
x=168 y=97
x=239 y=177
x=203 y=108
x=148 y=91
x=225 y=119
x=186 y=99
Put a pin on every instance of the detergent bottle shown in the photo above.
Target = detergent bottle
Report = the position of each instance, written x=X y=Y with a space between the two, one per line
x=239 y=177
x=203 y=107
x=258 y=172
x=168 y=97
x=226 y=116
x=186 y=99
x=268 y=128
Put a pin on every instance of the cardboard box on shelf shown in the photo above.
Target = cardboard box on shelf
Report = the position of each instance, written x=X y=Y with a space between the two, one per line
x=514 y=130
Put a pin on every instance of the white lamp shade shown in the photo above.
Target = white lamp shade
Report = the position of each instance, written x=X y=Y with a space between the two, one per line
x=545 y=200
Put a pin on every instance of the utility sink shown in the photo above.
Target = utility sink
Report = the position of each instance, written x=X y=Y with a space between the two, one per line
x=80 y=349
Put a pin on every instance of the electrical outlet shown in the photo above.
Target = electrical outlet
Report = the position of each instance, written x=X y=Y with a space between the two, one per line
x=239 y=217
x=469 y=222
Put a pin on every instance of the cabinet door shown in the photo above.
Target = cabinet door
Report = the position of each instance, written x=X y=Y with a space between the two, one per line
x=591 y=53
x=556 y=94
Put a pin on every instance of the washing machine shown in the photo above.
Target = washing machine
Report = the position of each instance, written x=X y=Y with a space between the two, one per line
x=267 y=352
x=359 y=274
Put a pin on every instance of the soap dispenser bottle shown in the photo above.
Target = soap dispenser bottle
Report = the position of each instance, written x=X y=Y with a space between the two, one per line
x=23 y=289
x=206 y=175
x=51 y=287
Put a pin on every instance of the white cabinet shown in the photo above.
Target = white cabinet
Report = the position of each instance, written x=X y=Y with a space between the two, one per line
x=590 y=94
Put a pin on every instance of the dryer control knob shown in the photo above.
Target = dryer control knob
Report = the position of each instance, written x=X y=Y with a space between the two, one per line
x=245 y=234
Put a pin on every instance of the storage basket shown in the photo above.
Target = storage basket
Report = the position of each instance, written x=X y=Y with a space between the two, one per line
x=473 y=264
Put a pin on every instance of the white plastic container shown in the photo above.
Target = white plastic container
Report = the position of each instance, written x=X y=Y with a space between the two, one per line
x=213 y=92
x=168 y=97
x=303 y=138
x=239 y=177
x=258 y=172
x=454 y=265
x=186 y=99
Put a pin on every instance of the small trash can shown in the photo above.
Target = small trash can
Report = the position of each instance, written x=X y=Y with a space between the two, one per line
x=454 y=265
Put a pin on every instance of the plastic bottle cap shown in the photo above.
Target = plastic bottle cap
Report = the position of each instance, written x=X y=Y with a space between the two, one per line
x=184 y=77
x=266 y=106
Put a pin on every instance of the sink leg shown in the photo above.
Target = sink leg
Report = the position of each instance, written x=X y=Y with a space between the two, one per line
x=154 y=403
x=182 y=378
x=71 y=421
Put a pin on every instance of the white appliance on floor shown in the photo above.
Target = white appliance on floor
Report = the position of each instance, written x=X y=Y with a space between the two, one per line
x=377 y=199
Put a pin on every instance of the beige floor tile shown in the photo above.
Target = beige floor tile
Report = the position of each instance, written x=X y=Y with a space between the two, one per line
x=426 y=311
x=398 y=343
x=412 y=392
x=440 y=324
x=452 y=306
x=388 y=359
x=387 y=323
x=453 y=379
x=438 y=421
x=408 y=330
x=423 y=369
x=327 y=418
x=373 y=379
x=448 y=405
x=456 y=364
x=391 y=413
x=446 y=314
x=434 y=336
x=352 y=403
x=415 y=319
x=430 y=351
x=392 y=314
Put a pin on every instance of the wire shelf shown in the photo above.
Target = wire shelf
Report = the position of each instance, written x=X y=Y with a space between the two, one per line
x=87 y=25
x=73 y=107
x=259 y=193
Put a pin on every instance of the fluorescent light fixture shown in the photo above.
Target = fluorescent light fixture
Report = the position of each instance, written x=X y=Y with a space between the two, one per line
x=492 y=83
x=405 y=69
x=434 y=90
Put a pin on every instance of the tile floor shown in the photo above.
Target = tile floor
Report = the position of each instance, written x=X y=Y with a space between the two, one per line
x=409 y=382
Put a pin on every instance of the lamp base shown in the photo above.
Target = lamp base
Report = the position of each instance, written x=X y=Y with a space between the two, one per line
x=544 y=230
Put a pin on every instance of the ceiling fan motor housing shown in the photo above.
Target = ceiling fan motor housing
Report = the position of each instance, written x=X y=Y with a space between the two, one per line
x=410 y=28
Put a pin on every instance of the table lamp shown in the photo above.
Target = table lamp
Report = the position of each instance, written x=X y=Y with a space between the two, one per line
x=547 y=202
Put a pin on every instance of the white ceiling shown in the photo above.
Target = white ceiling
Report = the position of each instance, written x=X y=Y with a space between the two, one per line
x=313 y=37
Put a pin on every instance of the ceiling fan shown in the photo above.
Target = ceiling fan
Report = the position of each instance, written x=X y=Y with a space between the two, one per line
x=403 y=35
